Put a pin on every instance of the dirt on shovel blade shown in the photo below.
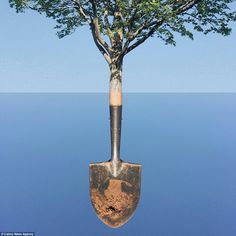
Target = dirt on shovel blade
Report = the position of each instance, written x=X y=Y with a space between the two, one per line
x=115 y=198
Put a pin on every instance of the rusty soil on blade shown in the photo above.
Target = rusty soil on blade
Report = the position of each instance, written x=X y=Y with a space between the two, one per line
x=113 y=202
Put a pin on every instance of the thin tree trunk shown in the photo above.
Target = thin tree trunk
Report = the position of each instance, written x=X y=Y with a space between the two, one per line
x=116 y=84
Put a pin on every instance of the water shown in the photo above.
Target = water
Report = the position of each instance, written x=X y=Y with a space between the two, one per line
x=185 y=142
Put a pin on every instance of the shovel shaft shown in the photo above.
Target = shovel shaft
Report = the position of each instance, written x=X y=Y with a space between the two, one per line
x=115 y=126
x=115 y=112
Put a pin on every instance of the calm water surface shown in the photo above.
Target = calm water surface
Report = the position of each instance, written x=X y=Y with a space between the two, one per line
x=185 y=142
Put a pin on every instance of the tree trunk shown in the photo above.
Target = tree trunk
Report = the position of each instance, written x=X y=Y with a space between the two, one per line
x=116 y=84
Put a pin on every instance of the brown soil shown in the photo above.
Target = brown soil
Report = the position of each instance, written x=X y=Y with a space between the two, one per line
x=113 y=202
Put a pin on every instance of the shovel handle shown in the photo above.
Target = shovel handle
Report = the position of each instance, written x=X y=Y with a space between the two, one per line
x=115 y=127
x=115 y=114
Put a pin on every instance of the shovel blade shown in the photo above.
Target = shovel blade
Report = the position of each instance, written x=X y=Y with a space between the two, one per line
x=115 y=195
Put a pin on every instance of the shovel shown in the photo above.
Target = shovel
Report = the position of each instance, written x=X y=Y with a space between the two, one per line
x=115 y=184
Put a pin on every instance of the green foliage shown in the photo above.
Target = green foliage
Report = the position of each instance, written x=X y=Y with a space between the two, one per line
x=128 y=23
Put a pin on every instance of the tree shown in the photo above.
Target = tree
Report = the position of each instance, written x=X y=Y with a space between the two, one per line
x=119 y=26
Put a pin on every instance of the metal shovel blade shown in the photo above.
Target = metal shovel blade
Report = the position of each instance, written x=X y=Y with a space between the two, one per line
x=115 y=192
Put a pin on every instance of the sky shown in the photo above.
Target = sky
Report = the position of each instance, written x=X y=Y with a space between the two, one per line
x=33 y=59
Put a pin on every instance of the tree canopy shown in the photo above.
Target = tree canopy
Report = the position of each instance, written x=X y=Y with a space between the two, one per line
x=119 y=26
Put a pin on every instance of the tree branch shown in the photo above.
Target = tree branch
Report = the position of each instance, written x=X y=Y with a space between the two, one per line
x=99 y=46
x=155 y=24
x=107 y=23
x=82 y=11
x=118 y=25
x=97 y=28
x=133 y=35
x=145 y=37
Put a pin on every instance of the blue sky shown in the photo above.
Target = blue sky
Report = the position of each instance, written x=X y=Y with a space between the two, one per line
x=33 y=59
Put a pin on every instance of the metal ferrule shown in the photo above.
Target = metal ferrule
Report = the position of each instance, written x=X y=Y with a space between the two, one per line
x=115 y=126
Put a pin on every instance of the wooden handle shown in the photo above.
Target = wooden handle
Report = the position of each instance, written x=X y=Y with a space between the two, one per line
x=115 y=99
x=115 y=93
